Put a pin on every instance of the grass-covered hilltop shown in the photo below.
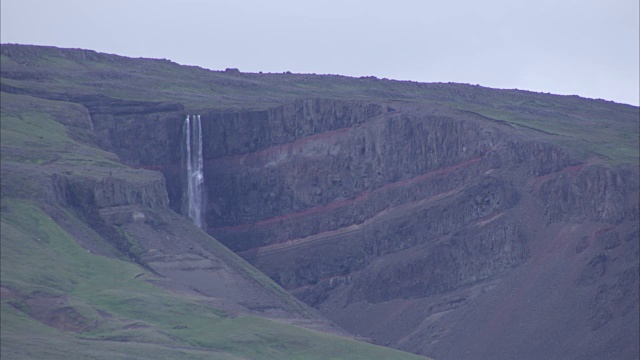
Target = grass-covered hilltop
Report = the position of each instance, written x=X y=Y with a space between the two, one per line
x=346 y=218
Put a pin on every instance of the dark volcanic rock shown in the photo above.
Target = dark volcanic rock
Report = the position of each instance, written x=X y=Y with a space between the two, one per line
x=595 y=193
x=116 y=189
x=355 y=206
x=236 y=133
x=469 y=256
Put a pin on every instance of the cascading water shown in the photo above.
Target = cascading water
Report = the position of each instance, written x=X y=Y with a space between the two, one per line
x=193 y=198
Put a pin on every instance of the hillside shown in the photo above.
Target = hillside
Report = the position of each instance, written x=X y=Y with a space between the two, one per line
x=96 y=266
x=448 y=220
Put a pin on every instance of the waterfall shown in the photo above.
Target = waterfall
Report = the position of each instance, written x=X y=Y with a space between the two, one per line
x=193 y=198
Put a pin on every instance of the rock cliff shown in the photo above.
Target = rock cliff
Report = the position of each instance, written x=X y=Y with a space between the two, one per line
x=354 y=206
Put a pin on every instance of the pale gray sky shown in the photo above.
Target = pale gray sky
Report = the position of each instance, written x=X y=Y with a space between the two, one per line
x=584 y=47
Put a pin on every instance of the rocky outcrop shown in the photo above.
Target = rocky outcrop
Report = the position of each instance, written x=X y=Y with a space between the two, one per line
x=141 y=139
x=404 y=205
x=117 y=188
x=380 y=156
x=353 y=206
x=416 y=225
x=594 y=193
x=230 y=133
x=471 y=255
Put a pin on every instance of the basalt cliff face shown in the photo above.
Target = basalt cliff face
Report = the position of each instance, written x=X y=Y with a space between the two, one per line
x=419 y=226
x=446 y=220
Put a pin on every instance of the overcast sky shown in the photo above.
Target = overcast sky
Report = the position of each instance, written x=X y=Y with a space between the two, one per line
x=584 y=47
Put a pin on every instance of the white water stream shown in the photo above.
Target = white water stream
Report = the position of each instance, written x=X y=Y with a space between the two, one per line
x=194 y=195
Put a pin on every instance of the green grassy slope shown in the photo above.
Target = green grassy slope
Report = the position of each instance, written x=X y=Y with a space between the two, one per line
x=47 y=275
